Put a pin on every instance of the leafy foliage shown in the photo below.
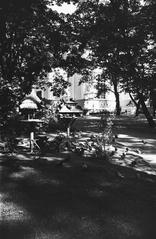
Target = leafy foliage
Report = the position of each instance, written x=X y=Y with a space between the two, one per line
x=31 y=40
x=119 y=37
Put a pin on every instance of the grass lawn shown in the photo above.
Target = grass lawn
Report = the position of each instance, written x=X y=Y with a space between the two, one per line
x=47 y=201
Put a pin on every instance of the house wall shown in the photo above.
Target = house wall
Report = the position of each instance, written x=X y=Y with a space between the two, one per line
x=85 y=95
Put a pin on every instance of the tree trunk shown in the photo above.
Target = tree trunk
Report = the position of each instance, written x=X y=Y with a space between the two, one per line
x=138 y=108
x=133 y=100
x=137 y=104
x=117 y=98
x=145 y=111
x=153 y=101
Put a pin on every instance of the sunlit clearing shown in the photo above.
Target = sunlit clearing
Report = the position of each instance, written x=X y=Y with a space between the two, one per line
x=150 y=158
x=11 y=212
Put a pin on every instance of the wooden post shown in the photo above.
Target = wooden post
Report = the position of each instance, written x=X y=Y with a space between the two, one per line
x=31 y=142
x=68 y=131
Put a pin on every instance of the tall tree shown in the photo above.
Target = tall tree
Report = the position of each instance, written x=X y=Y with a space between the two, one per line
x=118 y=37
x=97 y=29
x=139 y=65
x=31 y=40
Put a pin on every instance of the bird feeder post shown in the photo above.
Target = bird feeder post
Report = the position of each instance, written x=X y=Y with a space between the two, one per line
x=68 y=131
x=32 y=142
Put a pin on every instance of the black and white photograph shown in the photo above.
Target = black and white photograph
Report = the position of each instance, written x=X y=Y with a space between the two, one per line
x=77 y=119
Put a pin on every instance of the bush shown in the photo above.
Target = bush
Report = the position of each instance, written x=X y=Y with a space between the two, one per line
x=53 y=124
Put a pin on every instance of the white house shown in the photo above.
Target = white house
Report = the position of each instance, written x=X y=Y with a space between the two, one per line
x=85 y=94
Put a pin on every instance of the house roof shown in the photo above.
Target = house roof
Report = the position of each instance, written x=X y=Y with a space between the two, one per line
x=28 y=104
x=32 y=96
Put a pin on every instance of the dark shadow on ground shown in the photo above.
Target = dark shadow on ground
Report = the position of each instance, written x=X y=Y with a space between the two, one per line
x=43 y=200
x=134 y=126
x=123 y=124
x=49 y=200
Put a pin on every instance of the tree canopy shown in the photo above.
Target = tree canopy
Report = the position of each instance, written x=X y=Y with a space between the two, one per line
x=120 y=38
x=31 y=43
x=116 y=35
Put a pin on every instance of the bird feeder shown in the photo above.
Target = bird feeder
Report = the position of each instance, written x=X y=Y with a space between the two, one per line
x=70 y=113
x=30 y=105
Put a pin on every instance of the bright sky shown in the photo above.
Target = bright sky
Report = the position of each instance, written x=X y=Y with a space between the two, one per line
x=65 y=8
x=70 y=8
